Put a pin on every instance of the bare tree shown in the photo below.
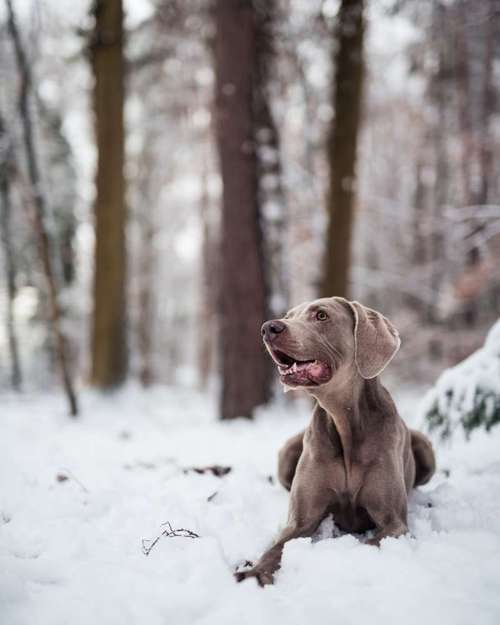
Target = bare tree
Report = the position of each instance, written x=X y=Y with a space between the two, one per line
x=272 y=198
x=59 y=161
x=245 y=373
x=207 y=326
x=342 y=145
x=475 y=80
x=39 y=205
x=6 y=167
x=109 y=339
x=146 y=224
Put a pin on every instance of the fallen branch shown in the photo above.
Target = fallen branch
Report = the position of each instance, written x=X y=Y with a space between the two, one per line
x=149 y=544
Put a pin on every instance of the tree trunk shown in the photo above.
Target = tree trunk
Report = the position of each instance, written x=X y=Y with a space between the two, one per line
x=109 y=341
x=207 y=327
x=243 y=306
x=436 y=239
x=342 y=146
x=146 y=199
x=475 y=81
x=272 y=200
x=59 y=156
x=145 y=321
x=41 y=232
x=10 y=266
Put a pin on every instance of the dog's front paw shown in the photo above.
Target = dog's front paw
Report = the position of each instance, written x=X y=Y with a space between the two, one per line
x=374 y=542
x=264 y=578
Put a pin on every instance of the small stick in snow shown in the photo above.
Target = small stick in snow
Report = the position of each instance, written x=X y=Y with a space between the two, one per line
x=66 y=474
x=216 y=469
x=148 y=545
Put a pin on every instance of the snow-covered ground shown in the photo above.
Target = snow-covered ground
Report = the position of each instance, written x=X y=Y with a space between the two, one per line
x=71 y=549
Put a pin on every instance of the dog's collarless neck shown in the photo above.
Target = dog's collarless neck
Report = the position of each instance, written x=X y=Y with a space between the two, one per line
x=346 y=410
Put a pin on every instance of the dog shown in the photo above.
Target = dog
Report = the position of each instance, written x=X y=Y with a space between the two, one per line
x=357 y=459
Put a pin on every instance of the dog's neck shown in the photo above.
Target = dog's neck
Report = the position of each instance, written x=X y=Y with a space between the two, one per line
x=348 y=404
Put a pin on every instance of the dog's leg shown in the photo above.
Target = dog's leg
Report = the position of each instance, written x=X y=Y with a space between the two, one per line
x=288 y=457
x=308 y=507
x=386 y=503
x=393 y=529
x=270 y=562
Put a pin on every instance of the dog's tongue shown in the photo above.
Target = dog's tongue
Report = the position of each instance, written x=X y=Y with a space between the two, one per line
x=303 y=372
x=316 y=369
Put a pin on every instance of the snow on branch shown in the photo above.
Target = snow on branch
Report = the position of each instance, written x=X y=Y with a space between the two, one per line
x=468 y=394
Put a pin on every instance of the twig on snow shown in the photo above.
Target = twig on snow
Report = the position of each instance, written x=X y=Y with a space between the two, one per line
x=169 y=532
x=65 y=474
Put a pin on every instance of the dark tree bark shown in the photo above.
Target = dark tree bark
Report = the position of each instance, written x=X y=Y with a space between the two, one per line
x=109 y=340
x=342 y=145
x=9 y=260
x=39 y=205
x=243 y=305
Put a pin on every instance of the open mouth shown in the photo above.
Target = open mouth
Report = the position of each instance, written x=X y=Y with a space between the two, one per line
x=294 y=372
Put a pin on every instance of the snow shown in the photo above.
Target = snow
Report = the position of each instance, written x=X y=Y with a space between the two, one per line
x=464 y=390
x=70 y=549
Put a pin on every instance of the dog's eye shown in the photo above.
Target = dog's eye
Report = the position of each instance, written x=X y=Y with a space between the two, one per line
x=321 y=315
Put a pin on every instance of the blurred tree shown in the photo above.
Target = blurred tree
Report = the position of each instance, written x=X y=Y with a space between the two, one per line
x=439 y=100
x=40 y=208
x=243 y=293
x=109 y=336
x=272 y=200
x=146 y=186
x=61 y=176
x=6 y=169
x=477 y=27
x=342 y=145
x=207 y=333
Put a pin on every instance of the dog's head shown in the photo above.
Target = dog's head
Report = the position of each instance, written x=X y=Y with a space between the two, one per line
x=316 y=342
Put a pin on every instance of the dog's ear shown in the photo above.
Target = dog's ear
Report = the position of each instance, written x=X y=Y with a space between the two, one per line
x=376 y=340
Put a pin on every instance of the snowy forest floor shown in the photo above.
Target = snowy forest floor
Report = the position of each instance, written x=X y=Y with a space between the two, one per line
x=71 y=549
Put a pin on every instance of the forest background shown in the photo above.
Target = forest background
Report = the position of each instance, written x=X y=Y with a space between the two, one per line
x=174 y=173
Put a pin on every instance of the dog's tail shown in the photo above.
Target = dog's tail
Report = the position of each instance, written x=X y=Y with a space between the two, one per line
x=425 y=460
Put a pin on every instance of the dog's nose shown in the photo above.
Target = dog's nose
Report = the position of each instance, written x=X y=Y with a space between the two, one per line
x=271 y=328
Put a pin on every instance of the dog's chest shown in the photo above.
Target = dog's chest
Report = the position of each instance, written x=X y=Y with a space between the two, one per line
x=346 y=484
x=345 y=478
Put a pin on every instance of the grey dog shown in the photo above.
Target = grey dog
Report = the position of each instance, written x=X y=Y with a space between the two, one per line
x=357 y=459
